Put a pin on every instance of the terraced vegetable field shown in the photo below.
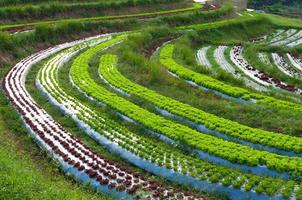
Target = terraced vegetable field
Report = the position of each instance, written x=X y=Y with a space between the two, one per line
x=158 y=107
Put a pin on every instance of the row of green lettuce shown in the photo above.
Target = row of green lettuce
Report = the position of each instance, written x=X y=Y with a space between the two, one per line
x=166 y=58
x=228 y=150
x=212 y=122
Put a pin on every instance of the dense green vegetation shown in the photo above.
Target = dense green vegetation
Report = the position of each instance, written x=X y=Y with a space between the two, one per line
x=83 y=9
x=17 y=2
x=102 y=18
x=290 y=8
x=52 y=33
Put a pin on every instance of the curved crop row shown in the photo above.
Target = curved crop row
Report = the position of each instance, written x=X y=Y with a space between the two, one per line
x=202 y=57
x=110 y=73
x=289 y=38
x=152 y=151
x=220 y=57
x=73 y=156
x=259 y=76
x=283 y=66
x=295 y=61
x=291 y=41
x=274 y=36
x=279 y=35
x=227 y=150
x=166 y=58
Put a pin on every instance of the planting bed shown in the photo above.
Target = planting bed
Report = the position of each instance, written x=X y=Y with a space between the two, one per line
x=136 y=144
x=202 y=57
x=221 y=60
x=262 y=77
x=295 y=61
x=289 y=38
x=285 y=67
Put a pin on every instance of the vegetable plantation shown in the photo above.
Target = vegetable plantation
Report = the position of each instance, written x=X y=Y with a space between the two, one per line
x=149 y=99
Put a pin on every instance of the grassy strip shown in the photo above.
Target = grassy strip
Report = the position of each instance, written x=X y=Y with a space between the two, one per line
x=90 y=19
x=224 y=23
x=47 y=11
x=284 y=22
x=276 y=20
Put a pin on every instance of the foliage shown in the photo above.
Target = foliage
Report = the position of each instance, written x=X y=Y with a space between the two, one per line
x=49 y=9
x=5 y=41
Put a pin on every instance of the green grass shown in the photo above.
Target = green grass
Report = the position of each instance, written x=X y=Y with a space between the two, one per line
x=30 y=2
x=146 y=14
x=275 y=20
x=55 y=10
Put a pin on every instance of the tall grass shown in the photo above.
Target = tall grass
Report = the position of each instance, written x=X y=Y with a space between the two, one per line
x=130 y=52
x=53 y=9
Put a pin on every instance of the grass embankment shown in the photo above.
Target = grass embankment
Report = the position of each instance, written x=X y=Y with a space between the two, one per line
x=91 y=19
x=12 y=46
x=63 y=10
x=275 y=20
x=286 y=8
x=25 y=2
